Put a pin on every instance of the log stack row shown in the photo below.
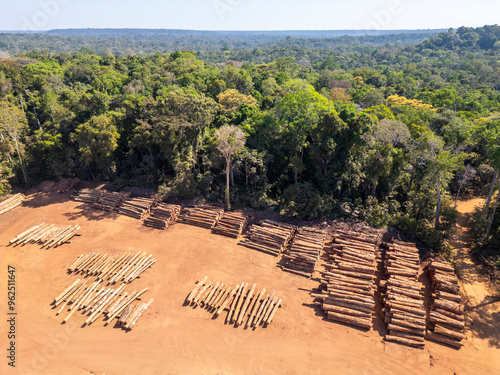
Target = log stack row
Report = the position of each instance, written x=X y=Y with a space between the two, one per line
x=270 y=237
x=201 y=216
x=137 y=208
x=245 y=304
x=47 y=235
x=94 y=300
x=87 y=195
x=446 y=318
x=347 y=287
x=402 y=296
x=11 y=203
x=163 y=216
x=113 y=268
x=232 y=224
x=131 y=314
x=305 y=250
x=110 y=200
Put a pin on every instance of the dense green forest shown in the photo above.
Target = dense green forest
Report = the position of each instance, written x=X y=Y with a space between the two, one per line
x=390 y=134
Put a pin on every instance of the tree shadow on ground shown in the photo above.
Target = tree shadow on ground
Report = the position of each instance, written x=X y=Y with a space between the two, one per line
x=89 y=213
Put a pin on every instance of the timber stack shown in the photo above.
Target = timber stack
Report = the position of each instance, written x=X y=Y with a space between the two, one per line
x=110 y=200
x=269 y=236
x=201 y=216
x=348 y=287
x=94 y=301
x=305 y=250
x=402 y=295
x=446 y=318
x=232 y=224
x=11 y=203
x=245 y=304
x=47 y=235
x=137 y=208
x=163 y=216
x=113 y=268
x=87 y=195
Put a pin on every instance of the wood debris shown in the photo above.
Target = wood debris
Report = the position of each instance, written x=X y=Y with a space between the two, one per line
x=402 y=295
x=11 y=203
x=245 y=305
x=348 y=285
x=110 y=200
x=137 y=208
x=201 y=216
x=47 y=235
x=232 y=224
x=116 y=268
x=271 y=237
x=163 y=215
x=305 y=250
x=446 y=318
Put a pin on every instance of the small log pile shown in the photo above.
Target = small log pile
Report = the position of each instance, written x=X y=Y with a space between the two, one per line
x=347 y=287
x=270 y=237
x=163 y=215
x=305 y=250
x=94 y=300
x=123 y=268
x=137 y=208
x=446 y=319
x=110 y=200
x=11 y=203
x=87 y=195
x=201 y=216
x=232 y=224
x=47 y=235
x=402 y=296
x=245 y=305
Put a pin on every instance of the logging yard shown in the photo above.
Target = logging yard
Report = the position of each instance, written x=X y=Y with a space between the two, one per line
x=116 y=284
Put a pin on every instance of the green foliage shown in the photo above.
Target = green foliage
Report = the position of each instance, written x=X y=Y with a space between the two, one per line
x=302 y=201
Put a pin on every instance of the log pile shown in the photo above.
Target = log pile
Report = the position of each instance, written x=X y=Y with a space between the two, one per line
x=232 y=224
x=446 y=318
x=270 y=237
x=163 y=215
x=11 y=203
x=47 y=235
x=402 y=296
x=201 y=216
x=347 y=287
x=245 y=304
x=94 y=300
x=305 y=250
x=137 y=208
x=110 y=200
x=123 y=268
x=87 y=195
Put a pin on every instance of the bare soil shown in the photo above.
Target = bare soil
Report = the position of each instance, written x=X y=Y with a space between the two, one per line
x=174 y=339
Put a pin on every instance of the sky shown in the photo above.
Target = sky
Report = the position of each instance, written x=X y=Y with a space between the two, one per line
x=247 y=14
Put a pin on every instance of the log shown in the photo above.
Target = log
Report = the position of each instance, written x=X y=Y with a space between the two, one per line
x=245 y=306
x=443 y=339
x=363 y=323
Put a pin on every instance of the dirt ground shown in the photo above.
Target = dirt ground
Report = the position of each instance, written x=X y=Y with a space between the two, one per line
x=174 y=339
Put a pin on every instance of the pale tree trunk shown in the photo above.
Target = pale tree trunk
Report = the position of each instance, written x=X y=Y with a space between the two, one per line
x=492 y=190
x=21 y=162
x=438 y=205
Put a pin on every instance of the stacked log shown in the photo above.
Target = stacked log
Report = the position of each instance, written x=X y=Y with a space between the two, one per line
x=270 y=237
x=87 y=195
x=232 y=224
x=305 y=250
x=110 y=200
x=201 y=216
x=123 y=268
x=93 y=301
x=47 y=235
x=446 y=318
x=347 y=287
x=245 y=305
x=11 y=203
x=137 y=208
x=163 y=216
x=402 y=296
